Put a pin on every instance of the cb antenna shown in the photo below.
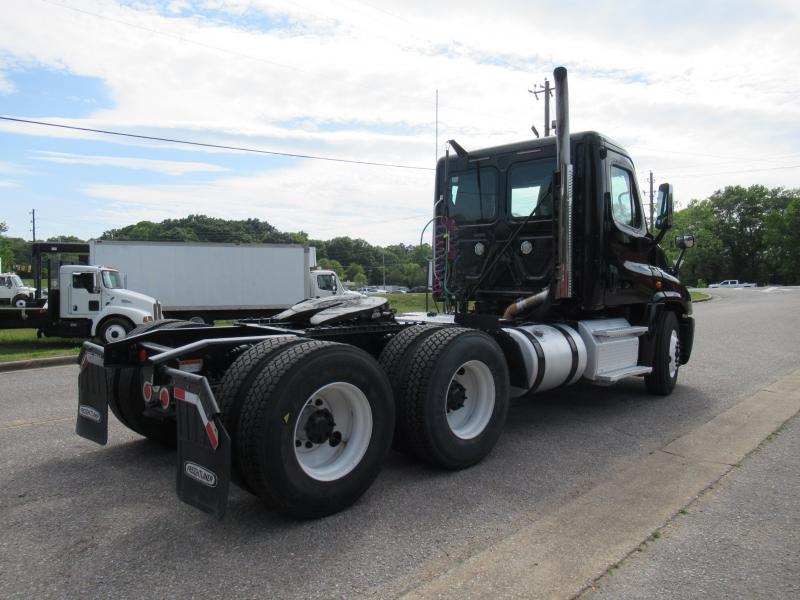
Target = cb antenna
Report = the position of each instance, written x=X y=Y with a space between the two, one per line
x=547 y=91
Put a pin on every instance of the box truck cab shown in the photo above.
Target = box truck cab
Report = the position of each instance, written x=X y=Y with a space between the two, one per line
x=95 y=300
x=13 y=292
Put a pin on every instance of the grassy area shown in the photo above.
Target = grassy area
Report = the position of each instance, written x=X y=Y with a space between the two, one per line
x=22 y=344
x=699 y=296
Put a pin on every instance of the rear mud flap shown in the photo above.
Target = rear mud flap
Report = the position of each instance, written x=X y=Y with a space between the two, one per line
x=92 y=421
x=204 y=446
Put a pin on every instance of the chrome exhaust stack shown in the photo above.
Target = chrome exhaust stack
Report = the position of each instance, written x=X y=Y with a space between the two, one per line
x=563 y=267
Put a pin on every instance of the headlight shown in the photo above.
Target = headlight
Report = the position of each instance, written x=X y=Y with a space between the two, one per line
x=147 y=319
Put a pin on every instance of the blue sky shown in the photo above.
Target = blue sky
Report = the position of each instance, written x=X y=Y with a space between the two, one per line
x=702 y=93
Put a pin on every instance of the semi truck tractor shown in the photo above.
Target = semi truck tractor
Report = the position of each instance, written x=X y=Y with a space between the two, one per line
x=202 y=282
x=82 y=301
x=545 y=275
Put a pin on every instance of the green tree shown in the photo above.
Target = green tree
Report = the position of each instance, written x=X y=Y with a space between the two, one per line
x=331 y=265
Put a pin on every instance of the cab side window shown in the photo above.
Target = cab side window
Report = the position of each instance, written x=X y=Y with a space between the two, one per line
x=83 y=281
x=325 y=282
x=624 y=205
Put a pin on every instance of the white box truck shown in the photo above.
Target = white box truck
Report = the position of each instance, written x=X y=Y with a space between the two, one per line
x=208 y=281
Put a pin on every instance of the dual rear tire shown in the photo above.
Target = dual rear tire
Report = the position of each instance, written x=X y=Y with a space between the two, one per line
x=311 y=423
x=451 y=389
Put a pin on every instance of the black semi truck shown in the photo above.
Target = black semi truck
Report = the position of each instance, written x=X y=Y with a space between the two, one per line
x=545 y=273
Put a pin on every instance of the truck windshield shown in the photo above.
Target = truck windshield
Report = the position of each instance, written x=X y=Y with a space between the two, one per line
x=17 y=281
x=473 y=196
x=112 y=279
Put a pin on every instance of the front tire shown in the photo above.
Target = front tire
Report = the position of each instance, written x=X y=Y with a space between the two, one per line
x=456 y=398
x=114 y=329
x=19 y=301
x=666 y=356
x=315 y=427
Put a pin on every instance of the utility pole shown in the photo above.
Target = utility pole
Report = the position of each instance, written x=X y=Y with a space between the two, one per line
x=650 y=179
x=384 y=269
x=33 y=223
x=548 y=93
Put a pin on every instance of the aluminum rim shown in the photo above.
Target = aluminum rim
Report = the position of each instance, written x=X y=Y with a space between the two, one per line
x=114 y=332
x=351 y=414
x=473 y=387
x=674 y=357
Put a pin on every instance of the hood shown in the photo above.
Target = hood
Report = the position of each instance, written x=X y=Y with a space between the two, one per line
x=122 y=296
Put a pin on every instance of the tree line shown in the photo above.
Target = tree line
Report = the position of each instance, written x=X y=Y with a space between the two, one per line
x=747 y=233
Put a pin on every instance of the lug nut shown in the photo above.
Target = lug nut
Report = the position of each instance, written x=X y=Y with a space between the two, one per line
x=318 y=402
x=298 y=443
x=335 y=439
x=309 y=445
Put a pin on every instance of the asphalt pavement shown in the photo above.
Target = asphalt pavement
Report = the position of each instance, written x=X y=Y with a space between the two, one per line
x=82 y=520
x=739 y=540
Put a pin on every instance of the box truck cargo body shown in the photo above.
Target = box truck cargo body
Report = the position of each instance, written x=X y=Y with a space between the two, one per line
x=207 y=281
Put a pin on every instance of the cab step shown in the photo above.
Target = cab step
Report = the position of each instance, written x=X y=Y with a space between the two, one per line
x=610 y=377
x=619 y=332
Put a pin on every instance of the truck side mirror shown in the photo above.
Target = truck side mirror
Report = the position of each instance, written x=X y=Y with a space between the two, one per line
x=664 y=218
x=683 y=242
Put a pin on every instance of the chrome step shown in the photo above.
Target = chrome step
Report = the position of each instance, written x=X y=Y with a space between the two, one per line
x=618 y=332
x=610 y=377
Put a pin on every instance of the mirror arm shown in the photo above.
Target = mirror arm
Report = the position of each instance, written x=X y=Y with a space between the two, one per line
x=660 y=236
x=679 y=262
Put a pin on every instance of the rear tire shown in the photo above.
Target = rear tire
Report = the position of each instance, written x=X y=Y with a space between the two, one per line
x=666 y=356
x=395 y=360
x=315 y=427
x=456 y=398
x=234 y=387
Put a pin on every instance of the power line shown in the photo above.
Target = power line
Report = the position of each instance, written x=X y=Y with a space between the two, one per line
x=218 y=146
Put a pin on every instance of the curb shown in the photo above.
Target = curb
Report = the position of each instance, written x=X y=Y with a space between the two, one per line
x=38 y=363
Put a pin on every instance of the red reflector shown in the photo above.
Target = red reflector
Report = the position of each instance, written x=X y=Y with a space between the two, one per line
x=147 y=391
x=142 y=356
x=164 y=397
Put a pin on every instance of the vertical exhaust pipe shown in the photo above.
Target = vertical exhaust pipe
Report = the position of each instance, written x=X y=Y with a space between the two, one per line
x=563 y=269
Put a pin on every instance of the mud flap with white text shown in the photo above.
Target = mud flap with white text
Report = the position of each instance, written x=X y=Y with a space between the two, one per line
x=92 y=421
x=204 y=446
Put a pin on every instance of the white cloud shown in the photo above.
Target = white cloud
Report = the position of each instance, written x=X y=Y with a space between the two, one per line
x=8 y=184
x=358 y=81
x=313 y=197
x=165 y=167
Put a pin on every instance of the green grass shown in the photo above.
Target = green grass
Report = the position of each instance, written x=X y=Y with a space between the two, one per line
x=22 y=344
x=699 y=296
x=403 y=303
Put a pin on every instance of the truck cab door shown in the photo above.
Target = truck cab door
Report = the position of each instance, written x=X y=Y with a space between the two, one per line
x=629 y=278
x=325 y=284
x=84 y=295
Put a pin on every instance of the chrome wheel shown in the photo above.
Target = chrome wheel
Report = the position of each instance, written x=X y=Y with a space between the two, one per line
x=333 y=431
x=674 y=354
x=470 y=399
x=114 y=332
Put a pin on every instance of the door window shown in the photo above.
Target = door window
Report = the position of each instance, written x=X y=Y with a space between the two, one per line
x=326 y=283
x=83 y=281
x=624 y=204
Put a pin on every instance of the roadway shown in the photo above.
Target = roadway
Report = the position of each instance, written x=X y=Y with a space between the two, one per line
x=82 y=520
